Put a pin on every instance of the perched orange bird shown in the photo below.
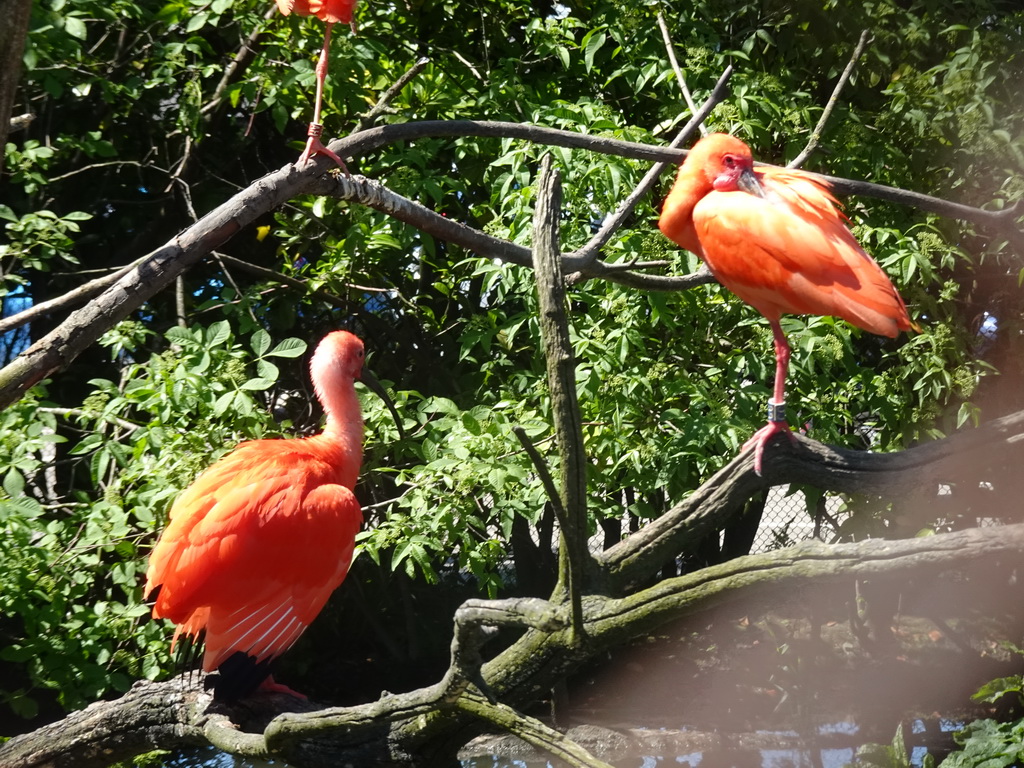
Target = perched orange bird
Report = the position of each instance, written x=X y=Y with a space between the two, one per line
x=775 y=238
x=261 y=539
x=330 y=12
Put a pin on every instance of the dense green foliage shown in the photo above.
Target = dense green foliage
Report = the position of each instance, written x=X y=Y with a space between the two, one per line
x=137 y=133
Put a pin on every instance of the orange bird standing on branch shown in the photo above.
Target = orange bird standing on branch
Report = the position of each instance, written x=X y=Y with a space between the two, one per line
x=330 y=12
x=775 y=238
x=261 y=539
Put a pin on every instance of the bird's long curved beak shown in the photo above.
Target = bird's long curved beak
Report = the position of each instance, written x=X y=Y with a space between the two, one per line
x=375 y=386
x=748 y=182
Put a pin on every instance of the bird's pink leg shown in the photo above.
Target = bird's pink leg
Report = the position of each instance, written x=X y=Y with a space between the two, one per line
x=270 y=686
x=777 y=405
x=316 y=129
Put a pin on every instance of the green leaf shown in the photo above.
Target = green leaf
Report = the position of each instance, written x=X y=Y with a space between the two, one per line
x=288 y=348
x=592 y=45
x=258 y=383
x=218 y=333
x=75 y=27
x=268 y=370
x=260 y=342
x=14 y=483
x=197 y=21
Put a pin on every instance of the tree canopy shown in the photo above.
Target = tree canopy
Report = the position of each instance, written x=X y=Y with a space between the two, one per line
x=148 y=116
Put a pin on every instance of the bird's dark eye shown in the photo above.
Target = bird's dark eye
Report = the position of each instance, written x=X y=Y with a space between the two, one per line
x=730 y=161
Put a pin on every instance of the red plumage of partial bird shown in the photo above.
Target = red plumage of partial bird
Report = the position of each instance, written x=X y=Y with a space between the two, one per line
x=256 y=545
x=775 y=238
x=330 y=12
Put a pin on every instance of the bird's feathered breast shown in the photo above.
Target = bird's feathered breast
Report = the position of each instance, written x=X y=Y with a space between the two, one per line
x=791 y=252
x=270 y=521
x=330 y=11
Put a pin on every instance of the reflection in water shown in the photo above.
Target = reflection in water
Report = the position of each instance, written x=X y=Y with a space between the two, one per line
x=823 y=757
x=210 y=757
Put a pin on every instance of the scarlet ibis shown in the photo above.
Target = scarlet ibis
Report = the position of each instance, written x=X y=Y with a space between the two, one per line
x=330 y=12
x=256 y=545
x=776 y=239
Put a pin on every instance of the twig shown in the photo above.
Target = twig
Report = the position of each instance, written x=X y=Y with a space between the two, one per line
x=94 y=166
x=374 y=195
x=473 y=70
x=292 y=282
x=388 y=96
x=108 y=417
x=612 y=223
x=565 y=408
x=542 y=472
x=530 y=730
x=671 y=50
x=77 y=295
x=833 y=100
x=234 y=71
x=231 y=279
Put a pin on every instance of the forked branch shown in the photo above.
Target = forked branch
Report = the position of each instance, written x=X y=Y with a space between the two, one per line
x=61 y=346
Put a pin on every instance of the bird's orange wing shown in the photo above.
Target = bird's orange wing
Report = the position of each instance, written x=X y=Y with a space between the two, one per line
x=300 y=7
x=253 y=550
x=791 y=252
x=332 y=11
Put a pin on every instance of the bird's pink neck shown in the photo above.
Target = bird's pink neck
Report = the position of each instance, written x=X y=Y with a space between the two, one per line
x=343 y=430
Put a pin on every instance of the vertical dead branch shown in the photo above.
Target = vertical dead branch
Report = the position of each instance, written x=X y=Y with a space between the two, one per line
x=561 y=365
x=13 y=32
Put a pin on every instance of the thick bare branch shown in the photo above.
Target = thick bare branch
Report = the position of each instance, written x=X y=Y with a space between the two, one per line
x=375 y=138
x=144 y=279
x=911 y=474
x=150 y=716
x=531 y=730
x=16 y=14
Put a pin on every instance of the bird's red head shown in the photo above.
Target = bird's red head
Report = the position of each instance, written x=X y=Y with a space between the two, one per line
x=725 y=161
x=339 y=354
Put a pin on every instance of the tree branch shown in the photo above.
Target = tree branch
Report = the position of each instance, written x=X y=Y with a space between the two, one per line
x=588 y=253
x=58 y=348
x=82 y=293
x=915 y=471
x=375 y=138
x=292 y=282
x=670 y=49
x=378 y=109
x=812 y=143
x=565 y=408
x=531 y=730
x=174 y=714
x=239 y=63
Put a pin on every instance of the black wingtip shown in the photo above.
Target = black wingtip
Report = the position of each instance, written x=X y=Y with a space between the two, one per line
x=238 y=677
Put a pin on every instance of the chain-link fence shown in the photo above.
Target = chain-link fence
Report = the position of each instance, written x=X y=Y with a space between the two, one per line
x=789 y=519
